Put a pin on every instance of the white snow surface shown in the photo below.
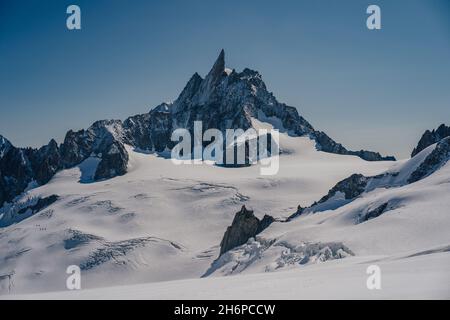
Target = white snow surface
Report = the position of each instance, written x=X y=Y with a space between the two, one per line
x=421 y=277
x=154 y=232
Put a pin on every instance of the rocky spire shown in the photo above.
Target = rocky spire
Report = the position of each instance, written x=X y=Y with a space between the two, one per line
x=218 y=67
x=431 y=137
x=245 y=225
x=214 y=76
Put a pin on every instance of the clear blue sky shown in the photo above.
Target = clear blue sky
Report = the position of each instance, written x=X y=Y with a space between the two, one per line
x=375 y=90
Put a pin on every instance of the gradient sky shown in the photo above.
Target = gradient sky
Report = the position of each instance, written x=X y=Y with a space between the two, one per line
x=376 y=90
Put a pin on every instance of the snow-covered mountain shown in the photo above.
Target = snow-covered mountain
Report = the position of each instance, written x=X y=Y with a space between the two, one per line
x=167 y=224
x=118 y=208
x=224 y=99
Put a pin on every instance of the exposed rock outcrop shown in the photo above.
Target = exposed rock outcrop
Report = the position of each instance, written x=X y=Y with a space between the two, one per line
x=431 y=137
x=114 y=162
x=325 y=143
x=244 y=226
x=351 y=188
x=436 y=159
x=16 y=171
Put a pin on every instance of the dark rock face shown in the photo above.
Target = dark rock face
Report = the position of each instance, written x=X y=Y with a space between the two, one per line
x=16 y=172
x=150 y=131
x=96 y=140
x=325 y=143
x=103 y=139
x=371 y=156
x=46 y=162
x=436 y=159
x=431 y=137
x=114 y=162
x=264 y=223
x=244 y=226
x=352 y=187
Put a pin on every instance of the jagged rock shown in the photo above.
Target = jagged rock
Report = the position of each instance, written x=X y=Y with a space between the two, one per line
x=209 y=86
x=325 y=143
x=371 y=156
x=16 y=173
x=352 y=187
x=150 y=131
x=244 y=226
x=431 y=137
x=114 y=162
x=104 y=139
x=436 y=159
x=264 y=223
x=46 y=162
x=75 y=148
x=80 y=145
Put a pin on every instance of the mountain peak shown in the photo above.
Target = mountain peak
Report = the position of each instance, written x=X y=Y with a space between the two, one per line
x=214 y=77
x=431 y=137
x=218 y=67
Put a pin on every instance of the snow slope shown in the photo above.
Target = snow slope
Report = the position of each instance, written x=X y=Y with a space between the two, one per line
x=185 y=209
x=421 y=277
x=415 y=219
x=162 y=223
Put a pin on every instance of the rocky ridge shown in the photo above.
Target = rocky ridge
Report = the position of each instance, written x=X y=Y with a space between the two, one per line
x=431 y=137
